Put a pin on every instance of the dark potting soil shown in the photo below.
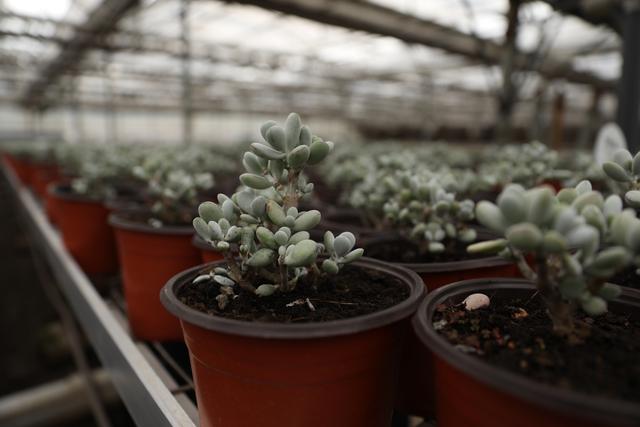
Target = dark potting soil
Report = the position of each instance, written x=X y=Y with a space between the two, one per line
x=407 y=252
x=517 y=335
x=353 y=292
x=627 y=277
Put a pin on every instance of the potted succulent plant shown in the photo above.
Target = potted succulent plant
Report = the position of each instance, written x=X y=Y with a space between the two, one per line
x=77 y=206
x=546 y=351
x=433 y=229
x=308 y=332
x=154 y=243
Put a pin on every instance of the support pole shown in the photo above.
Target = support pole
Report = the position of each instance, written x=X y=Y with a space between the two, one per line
x=185 y=41
x=509 y=93
x=629 y=85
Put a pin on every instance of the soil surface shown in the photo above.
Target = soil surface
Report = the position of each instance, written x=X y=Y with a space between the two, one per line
x=627 y=277
x=353 y=292
x=407 y=252
x=516 y=335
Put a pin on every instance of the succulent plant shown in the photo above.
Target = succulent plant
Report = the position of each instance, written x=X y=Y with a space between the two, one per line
x=426 y=213
x=526 y=164
x=625 y=169
x=577 y=240
x=262 y=234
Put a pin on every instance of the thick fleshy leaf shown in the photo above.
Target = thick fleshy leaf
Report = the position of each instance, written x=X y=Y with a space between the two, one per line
x=257 y=182
x=298 y=157
x=261 y=258
x=583 y=187
x=298 y=237
x=633 y=198
x=307 y=220
x=275 y=213
x=259 y=206
x=276 y=138
x=490 y=216
x=353 y=255
x=266 y=152
x=610 y=291
x=512 y=204
x=612 y=205
x=541 y=202
x=594 y=306
x=330 y=267
x=202 y=228
x=489 y=246
x=292 y=128
x=611 y=259
x=210 y=211
x=553 y=242
x=265 y=290
x=303 y=254
x=318 y=151
x=251 y=163
x=265 y=128
x=567 y=195
x=589 y=198
x=266 y=237
x=623 y=158
x=616 y=172
x=524 y=236
x=305 y=136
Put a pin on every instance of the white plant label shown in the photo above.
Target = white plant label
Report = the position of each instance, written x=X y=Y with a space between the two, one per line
x=610 y=139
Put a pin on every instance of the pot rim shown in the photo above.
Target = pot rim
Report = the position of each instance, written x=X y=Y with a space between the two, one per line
x=119 y=222
x=447 y=266
x=297 y=331
x=55 y=189
x=566 y=401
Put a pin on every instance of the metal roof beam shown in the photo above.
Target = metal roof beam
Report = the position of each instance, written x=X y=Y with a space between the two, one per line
x=102 y=21
x=365 y=16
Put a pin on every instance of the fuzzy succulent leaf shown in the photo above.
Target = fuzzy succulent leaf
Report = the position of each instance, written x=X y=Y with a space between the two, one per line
x=616 y=172
x=302 y=254
x=210 y=211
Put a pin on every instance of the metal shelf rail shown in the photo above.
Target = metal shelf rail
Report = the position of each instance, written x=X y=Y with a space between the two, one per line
x=148 y=390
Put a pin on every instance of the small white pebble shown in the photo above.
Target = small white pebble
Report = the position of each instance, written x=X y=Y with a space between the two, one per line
x=476 y=301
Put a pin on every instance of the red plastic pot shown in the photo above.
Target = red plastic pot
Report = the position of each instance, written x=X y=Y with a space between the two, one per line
x=416 y=394
x=471 y=392
x=149 y=257
x=338 y=373
x=207 y=253
x=85 y=232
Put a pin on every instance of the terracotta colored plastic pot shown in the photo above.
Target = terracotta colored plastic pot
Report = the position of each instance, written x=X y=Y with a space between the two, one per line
x=415 y=393
x=85 y=232
x=149 y=257
x=471 y=392
x=207 y=253
x=43 y=175
x=338 y=373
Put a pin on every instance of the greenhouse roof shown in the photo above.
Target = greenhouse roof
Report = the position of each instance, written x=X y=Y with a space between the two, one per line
x=252 y=59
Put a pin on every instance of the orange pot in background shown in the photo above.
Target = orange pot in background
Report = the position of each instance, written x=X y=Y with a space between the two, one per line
x=339 y=373
x=149 y=257
x=207 y=253
x=85 y=232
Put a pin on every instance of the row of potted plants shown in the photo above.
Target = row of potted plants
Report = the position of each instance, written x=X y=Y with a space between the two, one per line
x=291 y=319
